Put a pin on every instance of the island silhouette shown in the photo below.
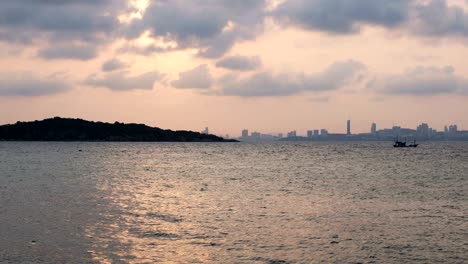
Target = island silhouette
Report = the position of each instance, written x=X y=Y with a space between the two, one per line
x=69 y=129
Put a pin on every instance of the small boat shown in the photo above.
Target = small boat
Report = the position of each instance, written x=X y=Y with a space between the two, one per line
x=401 y=144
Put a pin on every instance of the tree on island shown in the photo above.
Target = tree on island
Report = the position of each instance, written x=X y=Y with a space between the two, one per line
x=68 y=129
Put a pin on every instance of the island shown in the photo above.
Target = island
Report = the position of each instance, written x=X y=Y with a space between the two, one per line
x=69 y=129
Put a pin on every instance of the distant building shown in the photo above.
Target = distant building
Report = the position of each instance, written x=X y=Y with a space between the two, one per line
x=310 y=134
x=373 y=129
x=453 y=129
x=256 y=135
x=206 y=131
x=292 y=134
x=396 y=131
x=268 y=137
x=348 y=127
x=324 y=133
x=245 y=133
x=423 y=130
x=316 y=133
x=280 y=135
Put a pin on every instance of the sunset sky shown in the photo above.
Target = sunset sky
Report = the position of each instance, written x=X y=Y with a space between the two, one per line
x=270 y=66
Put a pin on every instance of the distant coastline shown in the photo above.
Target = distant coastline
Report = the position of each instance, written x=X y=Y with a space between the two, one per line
x=69 y=129
x=359 y=138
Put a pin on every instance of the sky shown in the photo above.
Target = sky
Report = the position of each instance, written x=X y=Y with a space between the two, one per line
x=265 y=65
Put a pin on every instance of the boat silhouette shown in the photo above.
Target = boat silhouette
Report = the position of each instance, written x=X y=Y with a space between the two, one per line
x=401 y=144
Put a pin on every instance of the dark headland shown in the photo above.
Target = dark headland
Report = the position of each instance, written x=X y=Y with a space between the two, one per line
x=68 y=129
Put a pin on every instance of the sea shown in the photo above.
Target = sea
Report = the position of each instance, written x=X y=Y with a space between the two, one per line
x=271 y=203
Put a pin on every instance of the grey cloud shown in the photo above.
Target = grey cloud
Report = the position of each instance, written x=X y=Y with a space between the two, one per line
x=72 y=18
x=113 y=64
x=322 y=99
x=422 y=81
x=342 y=16
x=213 y=27
x=78 y=52
x=197 y=78
x=144 y=50
x=201 y=24
x=240 y=63
x=268 y=84
x=218 y=46
x=436 y=18
x=60 y=24
x=28 y=85
x=120 y=81
x=182 y=21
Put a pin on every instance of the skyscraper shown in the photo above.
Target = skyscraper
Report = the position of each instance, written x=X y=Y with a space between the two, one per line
x=256 y=135
x=349 y=127
x=245 y=133
x=423 y=130
x=373 y=128
x=324 y=133
x=453 y=130
x=292 y=134
x=396 y=130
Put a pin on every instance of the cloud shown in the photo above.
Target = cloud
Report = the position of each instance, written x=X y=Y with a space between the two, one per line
x=240 y=63
x=61 y=24
x=76 y=52
x=197 y=78
x=120 y=81
x=431 y=18
x=321 y=99
x=26 y=84
x=113 y=64
x=210 y=26
x=266 y=83
x=341 y=16
x=70 y=19
x=437 y=18
x=422 y=81
x=144 y=50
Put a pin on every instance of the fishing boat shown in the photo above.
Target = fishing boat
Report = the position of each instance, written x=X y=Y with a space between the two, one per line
x=401 y=144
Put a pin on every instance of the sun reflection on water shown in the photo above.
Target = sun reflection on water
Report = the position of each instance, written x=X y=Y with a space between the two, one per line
x=184 y=205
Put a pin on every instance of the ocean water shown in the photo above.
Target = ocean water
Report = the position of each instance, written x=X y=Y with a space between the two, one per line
x=233 y=203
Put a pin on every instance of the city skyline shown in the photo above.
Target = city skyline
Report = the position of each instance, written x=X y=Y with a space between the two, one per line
x=373 y=129
x=343 y=130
